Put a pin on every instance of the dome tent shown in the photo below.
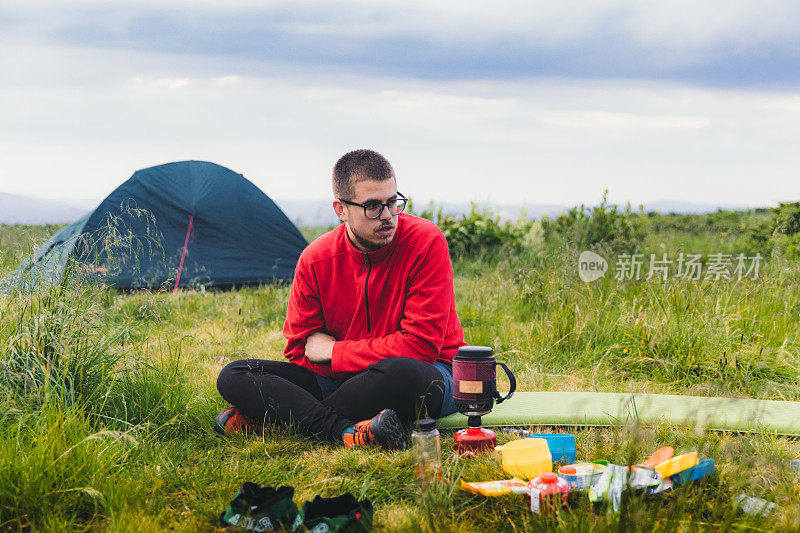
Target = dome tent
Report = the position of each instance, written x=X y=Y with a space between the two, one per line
x=177 y=224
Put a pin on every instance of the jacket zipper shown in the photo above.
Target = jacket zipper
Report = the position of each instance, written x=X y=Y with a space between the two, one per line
x=368 y=270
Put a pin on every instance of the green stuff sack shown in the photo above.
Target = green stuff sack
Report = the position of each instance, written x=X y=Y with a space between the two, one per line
x=340 y=514
x=256 y=508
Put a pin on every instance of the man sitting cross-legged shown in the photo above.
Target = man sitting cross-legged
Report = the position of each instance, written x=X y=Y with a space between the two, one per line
x=371 y=325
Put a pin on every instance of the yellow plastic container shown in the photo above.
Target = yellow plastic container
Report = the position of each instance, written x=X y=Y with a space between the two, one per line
x=677 y=464
x=526 y=458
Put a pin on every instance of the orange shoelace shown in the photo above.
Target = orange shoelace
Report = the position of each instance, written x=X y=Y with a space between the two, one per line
x=361 y=435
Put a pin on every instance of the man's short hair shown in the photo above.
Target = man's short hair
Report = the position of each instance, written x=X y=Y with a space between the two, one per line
x=359 y=165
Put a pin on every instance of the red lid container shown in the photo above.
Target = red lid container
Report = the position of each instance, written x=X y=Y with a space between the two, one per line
x=548 y=493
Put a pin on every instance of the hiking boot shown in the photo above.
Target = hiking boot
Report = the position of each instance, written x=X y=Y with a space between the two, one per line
x=384 y=430
x=232 y=421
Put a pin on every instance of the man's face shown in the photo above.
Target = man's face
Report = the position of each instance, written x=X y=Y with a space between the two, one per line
x=369 y=235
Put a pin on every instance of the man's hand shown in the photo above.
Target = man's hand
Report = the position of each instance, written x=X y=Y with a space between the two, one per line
x=319 y=348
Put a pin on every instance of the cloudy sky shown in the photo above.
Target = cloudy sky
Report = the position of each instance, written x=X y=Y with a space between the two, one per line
x=506 y=101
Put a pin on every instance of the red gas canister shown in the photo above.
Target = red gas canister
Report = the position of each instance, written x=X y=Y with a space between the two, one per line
x=547 y=494
x=474 y=440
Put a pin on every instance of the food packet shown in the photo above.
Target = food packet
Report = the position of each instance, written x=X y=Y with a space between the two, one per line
x=496 y=488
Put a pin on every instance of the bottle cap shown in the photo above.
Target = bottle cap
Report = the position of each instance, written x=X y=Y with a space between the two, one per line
x=426 y=424
x=568 y=470
x=548 y=477
x=474 y=353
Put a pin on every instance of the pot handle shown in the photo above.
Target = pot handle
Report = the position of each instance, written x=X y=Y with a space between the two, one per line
x=512 y=384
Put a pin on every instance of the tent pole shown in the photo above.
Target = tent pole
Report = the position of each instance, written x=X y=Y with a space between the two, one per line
x=183 y=254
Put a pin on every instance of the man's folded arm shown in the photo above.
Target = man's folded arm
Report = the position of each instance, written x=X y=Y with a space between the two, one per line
x=303 y=317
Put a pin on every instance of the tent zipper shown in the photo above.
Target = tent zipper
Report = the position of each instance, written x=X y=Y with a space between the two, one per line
x=368 y=270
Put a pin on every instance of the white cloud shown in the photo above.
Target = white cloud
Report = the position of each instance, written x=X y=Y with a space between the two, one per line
x=690 y=25
x=142 y=83
x=540 y=141
x=679 y=31
x=77 y=121
x=604 y=120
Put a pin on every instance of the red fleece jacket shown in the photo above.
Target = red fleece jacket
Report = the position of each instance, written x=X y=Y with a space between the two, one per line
x=397 y=301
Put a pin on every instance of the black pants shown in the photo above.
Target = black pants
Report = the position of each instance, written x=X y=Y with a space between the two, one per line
x=284 y=393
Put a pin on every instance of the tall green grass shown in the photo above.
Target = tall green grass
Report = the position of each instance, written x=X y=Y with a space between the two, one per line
x=77 y=398
x=18 y=241
x=57 y=468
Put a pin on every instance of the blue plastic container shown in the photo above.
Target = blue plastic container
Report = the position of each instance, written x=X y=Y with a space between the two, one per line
x=704 y=468
x=562 y=446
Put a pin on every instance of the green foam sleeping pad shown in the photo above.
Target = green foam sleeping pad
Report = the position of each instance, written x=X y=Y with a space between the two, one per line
x=609 y=409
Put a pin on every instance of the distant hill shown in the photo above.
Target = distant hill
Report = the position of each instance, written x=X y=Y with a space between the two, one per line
x=19 y=209
x=685 y=208
x=309 y=212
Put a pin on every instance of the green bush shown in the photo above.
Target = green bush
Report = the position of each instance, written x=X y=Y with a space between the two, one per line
x=481 y=234
x=787 y=221
x=786 y=232
x=601 y=225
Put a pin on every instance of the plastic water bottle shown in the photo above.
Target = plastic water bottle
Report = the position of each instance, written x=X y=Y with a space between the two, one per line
x=426 y=448
x=755 y=506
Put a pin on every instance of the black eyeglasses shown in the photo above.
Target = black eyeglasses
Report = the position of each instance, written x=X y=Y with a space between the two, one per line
x=374 y=209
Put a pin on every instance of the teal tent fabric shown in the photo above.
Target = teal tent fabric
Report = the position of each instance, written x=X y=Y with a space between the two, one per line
x=199 y=219
x=609 y=409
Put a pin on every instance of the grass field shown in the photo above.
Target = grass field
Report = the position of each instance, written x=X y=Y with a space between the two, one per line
x=107 y=398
